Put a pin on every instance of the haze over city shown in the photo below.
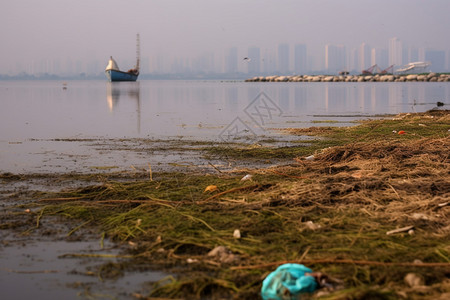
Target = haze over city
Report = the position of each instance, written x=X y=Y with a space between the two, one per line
x=67 y=37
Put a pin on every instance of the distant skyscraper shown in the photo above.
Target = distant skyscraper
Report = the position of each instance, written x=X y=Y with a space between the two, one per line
x=269 y=62
x=283 y=58
x=379 y=57
x=353 y=60
x=395 y=52
x=335 y=58
x=300 y=62
x=231 y=61
x=364 y=56
x=254 y=54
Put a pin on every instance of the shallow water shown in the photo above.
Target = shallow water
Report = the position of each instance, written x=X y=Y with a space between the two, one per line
x=74 y=126
x=37 y=270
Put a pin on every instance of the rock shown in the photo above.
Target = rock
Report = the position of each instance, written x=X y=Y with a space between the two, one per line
x=328 y=79
x=421 y=77
x=411 y=77
x=414 y=280
x=431 y=75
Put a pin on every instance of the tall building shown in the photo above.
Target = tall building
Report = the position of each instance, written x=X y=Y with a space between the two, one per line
x=335 y=58
x=300 y=61
x=379 y=57
x=231 y=61
x=283 y=58
x=364 y=56
x=254 y=63
x=353 y=61
x=269 y=64
x=395 y=52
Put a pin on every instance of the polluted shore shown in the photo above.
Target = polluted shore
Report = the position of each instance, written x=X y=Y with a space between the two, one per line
x=365 y=209
x=429 y=77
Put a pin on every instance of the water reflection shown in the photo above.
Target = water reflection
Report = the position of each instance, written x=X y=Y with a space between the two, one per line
x=199 y=109
x=130 y=91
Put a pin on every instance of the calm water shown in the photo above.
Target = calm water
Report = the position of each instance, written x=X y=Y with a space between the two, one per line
x=35 y=114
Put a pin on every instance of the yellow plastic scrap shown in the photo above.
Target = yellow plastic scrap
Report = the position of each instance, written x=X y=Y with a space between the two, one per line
x=211 y=188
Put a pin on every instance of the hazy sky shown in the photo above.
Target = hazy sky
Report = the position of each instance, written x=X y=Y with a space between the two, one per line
x=86 y=29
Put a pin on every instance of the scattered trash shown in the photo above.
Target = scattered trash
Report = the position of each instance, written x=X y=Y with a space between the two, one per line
x=311 y=157
x=312 y=226
x=191 y=260
x=401 y=132
x=223 y=254
x=411 y=232
x=443 y=204
x=246 y=177
x=423 y=125
x=420 y=216
x=399 y=230
x=413 y=280
x=211 y=188
x=237 y=234
x=394 y=131
x=287 y=281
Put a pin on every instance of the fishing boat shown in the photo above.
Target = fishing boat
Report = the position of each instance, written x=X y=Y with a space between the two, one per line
x=113 y=73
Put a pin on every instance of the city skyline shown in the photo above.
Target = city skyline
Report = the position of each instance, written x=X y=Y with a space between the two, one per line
x=284 y=59
x=183 y=36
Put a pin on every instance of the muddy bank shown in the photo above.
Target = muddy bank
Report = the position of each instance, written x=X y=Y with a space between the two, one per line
x=329 y=205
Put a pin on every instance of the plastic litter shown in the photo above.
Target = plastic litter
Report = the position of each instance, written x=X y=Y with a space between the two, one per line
x=401 y=132
x=288 y=281
x=246 y=177
x=211 y=188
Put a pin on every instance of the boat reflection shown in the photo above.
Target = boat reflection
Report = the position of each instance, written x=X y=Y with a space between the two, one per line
x=127 y=91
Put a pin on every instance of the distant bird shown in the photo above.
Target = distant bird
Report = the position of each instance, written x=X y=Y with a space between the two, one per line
x=247 y=58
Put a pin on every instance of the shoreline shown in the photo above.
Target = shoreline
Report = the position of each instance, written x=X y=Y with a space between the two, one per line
x=430 y=77
x=332 y=206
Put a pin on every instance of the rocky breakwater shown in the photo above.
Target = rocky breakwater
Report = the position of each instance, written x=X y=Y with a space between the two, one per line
x=430 y=77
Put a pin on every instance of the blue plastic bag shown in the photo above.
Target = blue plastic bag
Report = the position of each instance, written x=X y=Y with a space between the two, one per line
x=287 y=282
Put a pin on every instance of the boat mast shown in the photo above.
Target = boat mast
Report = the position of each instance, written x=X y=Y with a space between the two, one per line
x=138 y=52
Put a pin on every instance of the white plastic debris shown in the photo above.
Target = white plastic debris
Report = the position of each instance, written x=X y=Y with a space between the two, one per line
x=311 y=157
x=312 y=226
x=246 y=177
x=237 y=234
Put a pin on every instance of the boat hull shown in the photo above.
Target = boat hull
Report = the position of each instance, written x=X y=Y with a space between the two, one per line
x=114 y=75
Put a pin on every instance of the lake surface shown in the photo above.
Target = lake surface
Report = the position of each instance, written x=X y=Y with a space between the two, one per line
x=39 y=118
